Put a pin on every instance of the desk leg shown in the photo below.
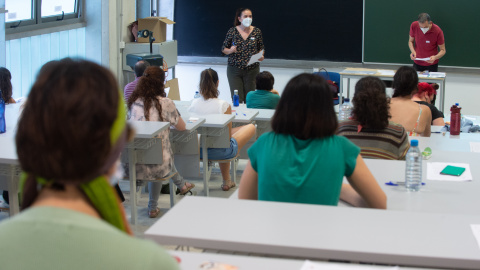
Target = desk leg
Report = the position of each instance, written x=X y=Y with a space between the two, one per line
x=13 y=191
x=340 y=98
x=348 y=87
x=133 y=184
x=442 y=96
x=206 y=175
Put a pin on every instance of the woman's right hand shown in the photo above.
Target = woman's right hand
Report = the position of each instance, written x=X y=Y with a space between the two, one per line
x=232 y=49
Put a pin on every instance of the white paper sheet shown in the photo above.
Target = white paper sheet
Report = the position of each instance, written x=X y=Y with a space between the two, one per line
x=475 y=147
x=309 y=265
x=255 y=58
x=423 y=59
x=476 y=232
x=434 y=169
x=386 y=72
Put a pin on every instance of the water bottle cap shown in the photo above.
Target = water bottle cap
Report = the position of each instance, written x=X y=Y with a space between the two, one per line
x=196 y=92
x=235 y=91
x=347 y=100
x=414 y=142
x=456 y=104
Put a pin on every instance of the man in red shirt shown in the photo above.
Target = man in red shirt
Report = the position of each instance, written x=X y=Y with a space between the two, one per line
x=426 y=43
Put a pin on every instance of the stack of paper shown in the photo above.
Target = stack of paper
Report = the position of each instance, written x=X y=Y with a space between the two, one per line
x=434 y=169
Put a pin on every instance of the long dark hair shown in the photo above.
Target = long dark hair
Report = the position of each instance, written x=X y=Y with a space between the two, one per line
x=149 y=87
x=370 y=103
x=208 y=84
x=238 y=13
x=405 y=81
x=64 y=131
x=5 y=84
x=305 y=109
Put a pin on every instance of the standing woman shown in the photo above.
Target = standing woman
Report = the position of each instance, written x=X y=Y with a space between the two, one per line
x=243 y=40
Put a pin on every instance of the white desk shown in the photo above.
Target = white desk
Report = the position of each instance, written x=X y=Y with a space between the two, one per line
x=263 y=119
x=358 y=73
x=438 y=142
x=9 y=166
x=321 y=232
x=192 y=260
x=443 y=197
x=9 y=171
x=215 y=134
x=185 y=147
x=145 y=133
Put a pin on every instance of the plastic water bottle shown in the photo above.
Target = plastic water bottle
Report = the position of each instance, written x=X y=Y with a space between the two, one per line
x=236 y=98
x=345 y=110
x=413 y=168
x=197 y=95
x=455 y=119
x=3 y=127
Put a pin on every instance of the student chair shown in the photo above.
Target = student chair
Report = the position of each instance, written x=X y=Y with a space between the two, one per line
x=334 y=77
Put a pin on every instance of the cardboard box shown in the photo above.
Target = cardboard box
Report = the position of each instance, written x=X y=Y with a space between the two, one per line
x=158 y=25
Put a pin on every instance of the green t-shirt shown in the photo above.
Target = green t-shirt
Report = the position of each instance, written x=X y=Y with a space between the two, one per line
x=57 y=238
x=261 y=99
x=302 y=171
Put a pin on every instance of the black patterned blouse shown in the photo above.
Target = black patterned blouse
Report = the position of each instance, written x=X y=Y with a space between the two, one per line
x=245 y=48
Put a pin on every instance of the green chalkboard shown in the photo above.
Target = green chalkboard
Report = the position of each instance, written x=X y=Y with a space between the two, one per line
x=387 y=25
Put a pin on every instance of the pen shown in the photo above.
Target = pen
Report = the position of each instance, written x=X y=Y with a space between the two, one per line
x=398 y=183
x=244 y=115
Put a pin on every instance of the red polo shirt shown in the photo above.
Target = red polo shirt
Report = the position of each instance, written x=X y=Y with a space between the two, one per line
x=426 y=45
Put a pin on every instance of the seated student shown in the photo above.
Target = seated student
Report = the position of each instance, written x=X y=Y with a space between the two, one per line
x=426 y=96
x=149 y=103
x=414 y=117
x=265 y=97
x=6 y=85
x=69 y=140
x=210 y=104
x=138 y=69
x=302 y=160
x=369 y=127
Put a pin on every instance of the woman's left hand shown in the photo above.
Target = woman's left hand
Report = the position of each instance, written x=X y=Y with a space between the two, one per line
x=263 y=57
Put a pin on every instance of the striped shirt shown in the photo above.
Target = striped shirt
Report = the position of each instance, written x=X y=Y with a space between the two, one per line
x=390 y=143
x=129 y=88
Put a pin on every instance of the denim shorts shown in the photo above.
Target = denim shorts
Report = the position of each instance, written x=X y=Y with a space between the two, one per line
x=222 y=153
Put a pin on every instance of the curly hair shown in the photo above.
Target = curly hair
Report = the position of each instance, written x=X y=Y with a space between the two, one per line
x=150 y=86
x=370 y=103
x=208 y=84
x=5 y=84
x=405 y=81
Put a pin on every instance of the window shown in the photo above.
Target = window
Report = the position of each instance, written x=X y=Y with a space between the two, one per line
x=19 y=11
x=32 y=14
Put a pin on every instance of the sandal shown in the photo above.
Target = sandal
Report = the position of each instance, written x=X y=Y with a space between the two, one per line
x=187 y=189
x=154 y=213
x=226 y=187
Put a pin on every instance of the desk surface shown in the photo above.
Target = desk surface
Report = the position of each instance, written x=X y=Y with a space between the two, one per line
x=8 y=154
x=147 y=129
x=321 y=232
x=192 y=260
x=376 y=72
x=438 y=142
x=263 y=114
x=445 y=197
x=211 y=120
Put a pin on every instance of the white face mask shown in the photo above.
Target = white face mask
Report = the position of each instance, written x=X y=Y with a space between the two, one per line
x=118 y=174
x=424 y=30
x=247 y=22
